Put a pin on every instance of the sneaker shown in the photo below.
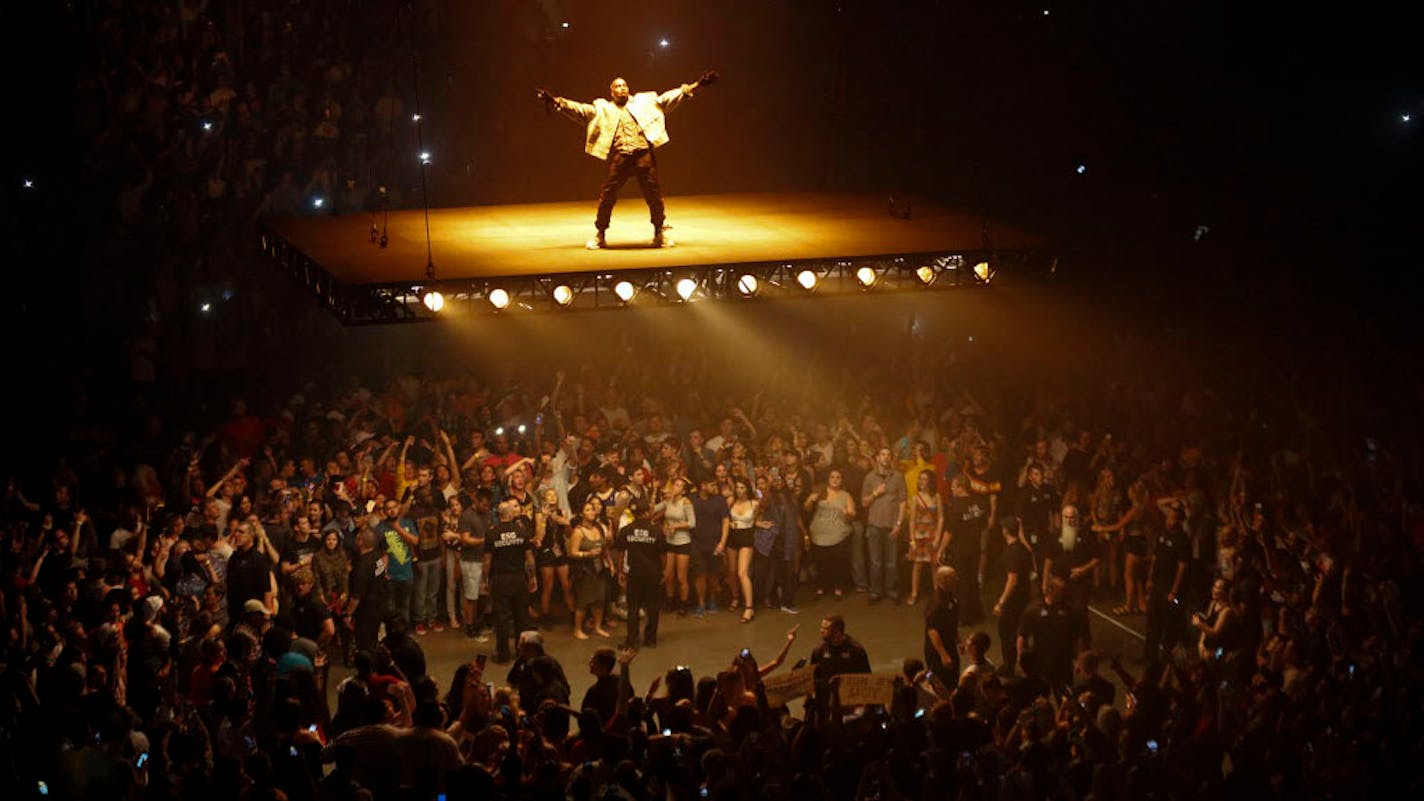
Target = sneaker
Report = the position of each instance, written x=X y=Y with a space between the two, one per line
x=438 y=627
x=699 y=611
x=790 y=609
x=711 y=607
x=420 y=629
x=597 y=242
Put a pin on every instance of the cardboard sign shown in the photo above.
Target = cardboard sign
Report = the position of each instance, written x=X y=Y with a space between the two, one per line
x=858 y=689
x=783 y=687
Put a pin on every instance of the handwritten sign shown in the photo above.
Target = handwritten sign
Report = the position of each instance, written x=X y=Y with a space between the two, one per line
x=858 y=689
x=783 y=687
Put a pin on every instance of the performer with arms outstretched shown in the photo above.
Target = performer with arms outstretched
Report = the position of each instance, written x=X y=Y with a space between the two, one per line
x=625 y=131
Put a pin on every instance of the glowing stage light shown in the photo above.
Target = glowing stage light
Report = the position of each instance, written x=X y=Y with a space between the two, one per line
x=499 y=299
x=415 y=118
x=29 y=184
x=318 y=202
x=1404 y=118
x=624 y=290
x=1082 y=168
x=984 y=271
x=926 y=274
x=663 y=43
x=433 y=301
x=748 y=284
x=685 y=288
x=866 y=276
x=424 y=158
x=207 y=307
x=807 y=279
x=563 y=295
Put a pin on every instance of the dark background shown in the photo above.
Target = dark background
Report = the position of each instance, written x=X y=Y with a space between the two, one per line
x=1278 y=127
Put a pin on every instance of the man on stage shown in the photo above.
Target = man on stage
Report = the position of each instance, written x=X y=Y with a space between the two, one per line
x=625 y=131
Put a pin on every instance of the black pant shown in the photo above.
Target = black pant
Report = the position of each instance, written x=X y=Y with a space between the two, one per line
x=1166 y=625
x=368 y=627
x=1009 y=635
x=641 y=164
x=785 y=570
x=644 y=594
x=509 y=594
x=833 y=565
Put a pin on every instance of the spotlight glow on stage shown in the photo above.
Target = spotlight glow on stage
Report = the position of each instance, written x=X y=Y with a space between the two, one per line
x=433 y=301
x=499 y=298
x=563 y=295
x=866 y=276
x=926 y=274
x=624 y=290
x=984 y=271
x=685 y=288
x=748 y=284
x=807 y=279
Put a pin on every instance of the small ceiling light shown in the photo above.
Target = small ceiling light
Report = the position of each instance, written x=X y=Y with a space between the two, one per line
x=1404 y=117
x=318 y=202
x=1082 y=168
x=663 y=43
x=498 y=298
x=748 y=284
x=207 y=126
x=424 y=158
x=433 y=301
x=807 y=279
x=207 y=307
x=984 y=271
x=29 y=184
x=624 y=290
x=566 y=25
x=563 y=295
x=866 y=276
x=926 y=274
x=415 y=118
x=685 y=288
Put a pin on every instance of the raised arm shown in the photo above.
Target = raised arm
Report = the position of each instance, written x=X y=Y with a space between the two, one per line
x=574 y=110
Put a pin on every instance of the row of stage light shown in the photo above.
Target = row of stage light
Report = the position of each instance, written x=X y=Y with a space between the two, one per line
x=663 y=286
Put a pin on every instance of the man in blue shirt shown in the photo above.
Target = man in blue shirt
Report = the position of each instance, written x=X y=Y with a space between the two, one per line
x=399 y=538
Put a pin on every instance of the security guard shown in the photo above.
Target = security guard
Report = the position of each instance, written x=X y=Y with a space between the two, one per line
x=1166 y=580
x=639 y=551
x=509 y=564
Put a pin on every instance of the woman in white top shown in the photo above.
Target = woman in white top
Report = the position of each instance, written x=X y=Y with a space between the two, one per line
x=678 y=518
x=743 y=513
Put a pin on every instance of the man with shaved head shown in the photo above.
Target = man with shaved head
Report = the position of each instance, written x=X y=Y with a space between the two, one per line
x=942 y=628
x=624 y=131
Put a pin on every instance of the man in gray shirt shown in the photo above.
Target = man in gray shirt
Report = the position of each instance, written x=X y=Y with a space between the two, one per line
x=883 y=495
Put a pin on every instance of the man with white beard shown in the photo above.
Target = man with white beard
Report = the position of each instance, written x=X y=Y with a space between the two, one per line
x=1073 y=556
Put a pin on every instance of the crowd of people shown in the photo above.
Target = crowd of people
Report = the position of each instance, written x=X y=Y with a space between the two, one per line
x=174 y=618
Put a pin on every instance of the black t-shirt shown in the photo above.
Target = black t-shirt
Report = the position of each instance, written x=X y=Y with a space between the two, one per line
x=965 y=520
x=832 y=660
x=366 y=584
x=1019 y=561
x=1171 y=548
x=309 y=615
x=710 y=512
x=296 y=552
x=942 y=616
x=249 y=576
x=425 y=510
x=1052 y=631
x=506 y=543
x=474 y=524
x=1036 y=507
x=1085 y=550
x=645 y=547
